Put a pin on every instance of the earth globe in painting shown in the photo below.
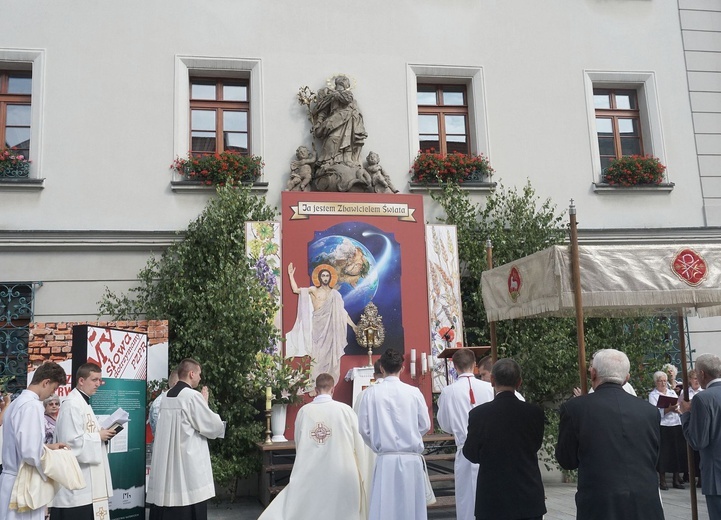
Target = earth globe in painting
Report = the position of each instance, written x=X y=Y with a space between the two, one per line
x=355 y=265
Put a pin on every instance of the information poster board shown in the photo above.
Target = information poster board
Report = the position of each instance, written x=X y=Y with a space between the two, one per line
x=122 y=356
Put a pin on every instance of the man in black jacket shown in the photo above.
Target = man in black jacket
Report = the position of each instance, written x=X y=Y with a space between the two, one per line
x=613 y=439
x=504 y=437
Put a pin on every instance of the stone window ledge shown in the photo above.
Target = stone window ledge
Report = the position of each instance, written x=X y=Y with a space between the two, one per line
x=483 y=187
x=198 y=186
x=21 y=184
x=603 y=188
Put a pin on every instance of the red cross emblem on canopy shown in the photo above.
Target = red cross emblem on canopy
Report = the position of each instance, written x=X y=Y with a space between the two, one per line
x=320 y=433
x=690 y=267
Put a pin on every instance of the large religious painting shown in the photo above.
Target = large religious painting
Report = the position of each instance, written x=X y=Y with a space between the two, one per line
x=367 y=264
x=444 y=300
x=342 y=253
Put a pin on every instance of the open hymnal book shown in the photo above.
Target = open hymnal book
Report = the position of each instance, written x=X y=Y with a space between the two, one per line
x=664 y=401
x=116 y=420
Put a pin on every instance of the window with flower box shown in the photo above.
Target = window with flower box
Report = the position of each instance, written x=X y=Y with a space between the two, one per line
x=217 y=113
x=618 y=124
x=624 y=121
x=446 y=112
x=219 y=116
x=15 y=119
x=443 y=118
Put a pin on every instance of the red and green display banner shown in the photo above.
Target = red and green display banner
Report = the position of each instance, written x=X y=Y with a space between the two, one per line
x=122 y=356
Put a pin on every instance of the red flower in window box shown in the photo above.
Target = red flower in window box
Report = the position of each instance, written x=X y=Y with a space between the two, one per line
x=432 y=167
x=13 y=164
x=634 y=170
x=222 y=168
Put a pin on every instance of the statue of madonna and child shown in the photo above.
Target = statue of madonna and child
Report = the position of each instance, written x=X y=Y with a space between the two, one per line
x=337 y=124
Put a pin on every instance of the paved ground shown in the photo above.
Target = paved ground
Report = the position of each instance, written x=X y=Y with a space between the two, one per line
x=560 y=505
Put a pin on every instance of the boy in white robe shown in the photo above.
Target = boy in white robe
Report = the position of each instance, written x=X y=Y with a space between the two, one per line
x=181 y=475
x=79 y=428
x=328 y=475
x=24 y=433
x=392 y=418
x=454 y=403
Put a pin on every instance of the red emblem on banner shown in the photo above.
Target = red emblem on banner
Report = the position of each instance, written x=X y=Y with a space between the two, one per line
x=689 y=267
x=514 y=284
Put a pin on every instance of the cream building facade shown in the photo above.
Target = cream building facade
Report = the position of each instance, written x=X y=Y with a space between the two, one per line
x=109 y=112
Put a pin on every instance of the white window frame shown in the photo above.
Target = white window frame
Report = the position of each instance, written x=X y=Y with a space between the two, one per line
x=32 y=60
x=472 y=77
x=187 y=66
x=650 y=119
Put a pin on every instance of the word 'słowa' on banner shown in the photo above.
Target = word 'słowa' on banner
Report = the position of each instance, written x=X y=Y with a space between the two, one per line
x=122 y=356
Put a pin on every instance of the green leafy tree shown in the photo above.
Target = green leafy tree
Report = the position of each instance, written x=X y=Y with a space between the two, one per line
x=518 y=223
x=218 y=312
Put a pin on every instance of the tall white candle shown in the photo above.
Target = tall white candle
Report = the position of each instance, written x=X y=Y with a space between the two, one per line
x=424 y=363
x=413 y=369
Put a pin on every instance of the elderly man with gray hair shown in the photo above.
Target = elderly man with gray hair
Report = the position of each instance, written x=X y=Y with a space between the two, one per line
x=701 y=422
x=613 y=439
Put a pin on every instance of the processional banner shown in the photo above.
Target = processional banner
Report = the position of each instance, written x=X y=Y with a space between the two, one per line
x=122 y=357
x=444 y=300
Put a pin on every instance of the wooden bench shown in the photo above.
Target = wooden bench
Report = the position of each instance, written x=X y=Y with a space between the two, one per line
x=440 y=452
x=440 y=455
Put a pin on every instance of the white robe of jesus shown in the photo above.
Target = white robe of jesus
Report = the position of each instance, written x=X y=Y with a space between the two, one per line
x=454 y=403
x=329 y=473
x=23 y=440
x=392 y=418
x=180 y=471
x=321 y=333
x=79 y=428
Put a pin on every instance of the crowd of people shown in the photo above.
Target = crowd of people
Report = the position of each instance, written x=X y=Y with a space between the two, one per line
x=57 y=454
x=614 y=439
x=623 y=447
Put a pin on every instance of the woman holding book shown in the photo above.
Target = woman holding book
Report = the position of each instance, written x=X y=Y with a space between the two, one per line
x=672 y=458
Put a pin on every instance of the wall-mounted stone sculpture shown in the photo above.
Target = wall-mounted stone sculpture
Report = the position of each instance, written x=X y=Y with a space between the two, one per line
x=337 y=127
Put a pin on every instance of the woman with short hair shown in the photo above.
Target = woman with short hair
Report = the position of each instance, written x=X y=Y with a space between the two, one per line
x=672 y=456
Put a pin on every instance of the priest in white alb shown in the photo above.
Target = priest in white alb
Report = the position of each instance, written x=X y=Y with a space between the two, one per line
x=329 y=475
x=79 y=428
x=24 y=433
x=181 y=475
x=392 y=418
x=454 y=403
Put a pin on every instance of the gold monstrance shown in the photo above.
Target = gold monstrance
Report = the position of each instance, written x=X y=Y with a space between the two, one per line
x=370 y=332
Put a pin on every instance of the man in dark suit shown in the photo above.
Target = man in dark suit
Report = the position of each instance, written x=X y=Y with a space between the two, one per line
x=701 y=422
x=613 y=438
x=504 y=437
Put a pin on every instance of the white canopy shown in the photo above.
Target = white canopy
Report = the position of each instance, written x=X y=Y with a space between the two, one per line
x=617 y=280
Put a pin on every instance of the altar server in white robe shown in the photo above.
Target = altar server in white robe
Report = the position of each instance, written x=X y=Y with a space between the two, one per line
x=327 y=480
x=24 y=434
x=393 y=417
x=79 y=428
x=454 y=403
x=181 y=476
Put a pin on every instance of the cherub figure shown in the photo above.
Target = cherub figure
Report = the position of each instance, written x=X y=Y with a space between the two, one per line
x=380 y=179
x=301 y=170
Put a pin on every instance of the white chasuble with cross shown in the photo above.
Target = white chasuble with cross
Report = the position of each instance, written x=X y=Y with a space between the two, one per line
x=78 y=427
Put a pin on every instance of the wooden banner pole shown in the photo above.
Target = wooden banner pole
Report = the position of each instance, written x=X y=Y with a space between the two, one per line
x=492 y=324
x=577 y=299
